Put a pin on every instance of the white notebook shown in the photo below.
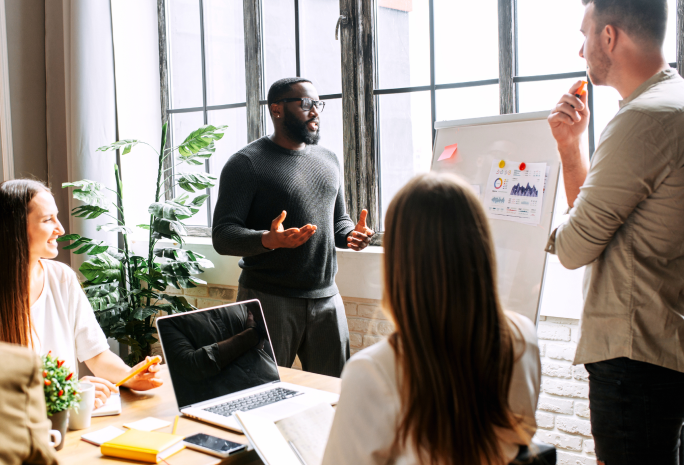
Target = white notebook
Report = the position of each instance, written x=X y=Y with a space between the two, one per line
x=111 y=407
x=296 y=440
x=103 y=435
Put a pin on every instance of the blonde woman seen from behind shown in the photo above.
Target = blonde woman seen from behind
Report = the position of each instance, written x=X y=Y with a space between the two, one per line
x=458 y=380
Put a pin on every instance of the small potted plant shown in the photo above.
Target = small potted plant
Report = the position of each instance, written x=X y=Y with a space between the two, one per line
x=61 y=393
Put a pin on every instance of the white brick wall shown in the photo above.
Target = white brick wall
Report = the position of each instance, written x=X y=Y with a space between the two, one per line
x=563 y=411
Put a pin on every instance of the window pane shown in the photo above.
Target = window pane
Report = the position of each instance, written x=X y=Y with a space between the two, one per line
x=183 y=124
x=405 y=141
x=185 y=54
x=224 y=43
x=542 y=95
x=549 y=37
x=466 y=40
x=671 y=37
x=233 y=140
x=279 y=40
x=606 y=104
x=320 y=58
x=403 y=38
x=468 y=102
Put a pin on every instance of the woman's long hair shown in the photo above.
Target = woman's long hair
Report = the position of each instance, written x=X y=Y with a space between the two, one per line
x=452 y=341
x=15 y=310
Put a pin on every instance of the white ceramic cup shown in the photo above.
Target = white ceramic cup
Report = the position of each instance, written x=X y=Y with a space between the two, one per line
x=81 y=419
x=54 y=438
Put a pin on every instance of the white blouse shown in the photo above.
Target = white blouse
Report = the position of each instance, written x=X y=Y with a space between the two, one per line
x=63 y=320
x=368 y=411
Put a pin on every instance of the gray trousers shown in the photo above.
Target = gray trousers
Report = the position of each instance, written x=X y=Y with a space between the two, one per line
x=314 y=329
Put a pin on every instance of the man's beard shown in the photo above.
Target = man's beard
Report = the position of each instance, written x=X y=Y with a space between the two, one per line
x=298 y=130
x=599 y=67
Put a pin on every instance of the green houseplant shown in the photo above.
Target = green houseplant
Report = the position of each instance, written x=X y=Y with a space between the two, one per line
x=61 y=392
x=125 y=290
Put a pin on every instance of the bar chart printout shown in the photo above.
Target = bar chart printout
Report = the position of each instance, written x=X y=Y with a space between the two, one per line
x=515 y=194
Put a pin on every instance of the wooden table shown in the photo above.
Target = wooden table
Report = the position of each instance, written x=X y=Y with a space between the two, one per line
x=161 y=403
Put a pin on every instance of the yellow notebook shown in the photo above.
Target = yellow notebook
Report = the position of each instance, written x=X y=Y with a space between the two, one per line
x=144 y=446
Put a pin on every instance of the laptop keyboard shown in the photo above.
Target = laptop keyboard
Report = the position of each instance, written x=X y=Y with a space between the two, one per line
x=254 y=401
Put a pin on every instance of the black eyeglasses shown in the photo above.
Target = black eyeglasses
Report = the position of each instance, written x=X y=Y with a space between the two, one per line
x=307 y=103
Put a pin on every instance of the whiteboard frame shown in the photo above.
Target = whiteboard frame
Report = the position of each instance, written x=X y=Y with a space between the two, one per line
x=504 y=119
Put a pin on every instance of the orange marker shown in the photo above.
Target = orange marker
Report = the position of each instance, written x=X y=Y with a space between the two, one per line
x=581 y=91
x=152 y=361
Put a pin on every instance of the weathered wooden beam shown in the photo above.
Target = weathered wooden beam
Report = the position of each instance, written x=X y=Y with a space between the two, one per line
x=368 y=176
x=506 y=56
x=350 y=116
x=358 y=107
x=164 y=83
x=253 y=68
x=680 y=37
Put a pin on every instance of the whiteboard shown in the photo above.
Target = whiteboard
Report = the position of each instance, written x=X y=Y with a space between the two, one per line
x=523 y=137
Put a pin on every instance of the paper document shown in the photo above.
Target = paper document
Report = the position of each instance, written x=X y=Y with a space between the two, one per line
x=111 y=407
x=103 y=435
x=299 y=438
x=515 y=195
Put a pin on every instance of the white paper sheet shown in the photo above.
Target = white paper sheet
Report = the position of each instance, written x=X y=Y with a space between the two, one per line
x=515 y=195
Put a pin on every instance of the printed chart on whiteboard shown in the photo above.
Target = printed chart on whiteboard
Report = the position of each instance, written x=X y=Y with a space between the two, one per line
x=515 y=191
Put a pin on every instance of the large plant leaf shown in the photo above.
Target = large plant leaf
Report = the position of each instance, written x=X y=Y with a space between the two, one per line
x=68 y=237
x=103 y=296
x=197 y=159
x=154 y=279
x=88 y=211
x=85 y=245
x=101 y=269
x=88 y=192
x=168 y=229
x=113 y=227
x=200 y=139
x=143 y=312
x=195 y=181
x=178 y=304
x=183 y=255
x=170 y=210
x=127 y=145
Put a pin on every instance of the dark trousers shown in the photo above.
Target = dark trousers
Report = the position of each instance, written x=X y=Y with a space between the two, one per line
x=637 y=411
x=314 y=329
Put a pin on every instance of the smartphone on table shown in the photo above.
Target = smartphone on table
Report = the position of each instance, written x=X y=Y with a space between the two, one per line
x=213 y=445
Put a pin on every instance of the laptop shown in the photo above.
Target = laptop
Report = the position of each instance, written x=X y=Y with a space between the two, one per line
x=221 y=361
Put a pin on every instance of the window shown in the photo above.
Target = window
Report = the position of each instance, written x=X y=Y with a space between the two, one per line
x=424 y=74
x=431 y=60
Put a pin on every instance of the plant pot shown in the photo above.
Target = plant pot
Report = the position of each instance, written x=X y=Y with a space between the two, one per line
x=59 y=422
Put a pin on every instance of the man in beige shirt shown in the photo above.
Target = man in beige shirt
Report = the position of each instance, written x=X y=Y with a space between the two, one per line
x=24 y=426
x=627 y=226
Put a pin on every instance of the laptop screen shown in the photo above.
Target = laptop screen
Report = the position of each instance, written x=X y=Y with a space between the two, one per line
x=217 y=351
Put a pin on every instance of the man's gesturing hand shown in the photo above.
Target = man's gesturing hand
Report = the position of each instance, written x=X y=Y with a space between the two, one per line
x=360 y=237
x=570 y=118
x=280 y=238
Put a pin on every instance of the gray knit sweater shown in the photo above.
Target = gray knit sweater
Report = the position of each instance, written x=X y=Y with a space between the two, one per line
x=256 y=185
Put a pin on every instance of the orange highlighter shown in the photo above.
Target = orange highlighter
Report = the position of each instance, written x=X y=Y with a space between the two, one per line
x=581 y=91
x=152 y=361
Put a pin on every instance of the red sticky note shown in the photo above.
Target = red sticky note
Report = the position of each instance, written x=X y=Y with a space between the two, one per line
x=449 y=152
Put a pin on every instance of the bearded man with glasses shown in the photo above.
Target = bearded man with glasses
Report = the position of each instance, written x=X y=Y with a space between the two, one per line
x=289 y=263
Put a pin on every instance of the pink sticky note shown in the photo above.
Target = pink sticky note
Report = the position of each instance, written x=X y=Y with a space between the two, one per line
x=449 y=152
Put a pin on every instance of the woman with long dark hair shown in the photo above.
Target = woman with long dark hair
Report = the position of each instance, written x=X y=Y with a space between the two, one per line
x=42 y=305
x=458 y=381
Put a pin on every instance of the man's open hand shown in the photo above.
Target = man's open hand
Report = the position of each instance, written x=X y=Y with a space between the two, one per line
x=360 y=237
x=280 y=238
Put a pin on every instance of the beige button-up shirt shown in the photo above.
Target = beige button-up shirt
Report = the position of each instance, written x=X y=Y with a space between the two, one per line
x=627 y=226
